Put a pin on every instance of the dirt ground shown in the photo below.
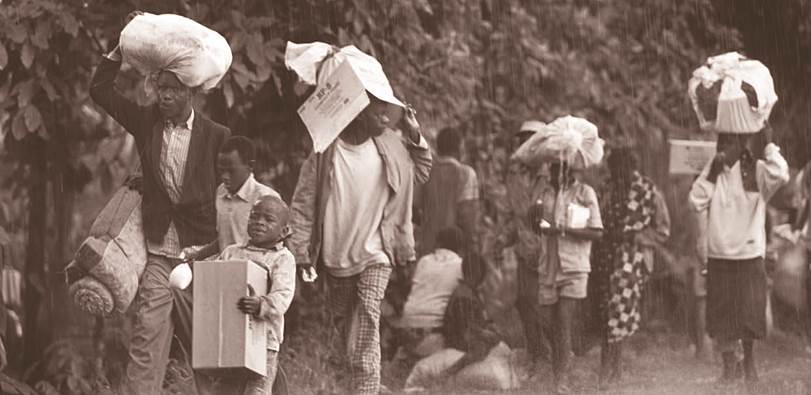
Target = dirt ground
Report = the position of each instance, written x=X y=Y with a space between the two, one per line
x=668 y=366
x=652 y=364
x=663 y=364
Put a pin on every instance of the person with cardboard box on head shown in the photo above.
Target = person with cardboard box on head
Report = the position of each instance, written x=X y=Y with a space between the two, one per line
x=360 y=226
x=352 y=207
x=178 y=149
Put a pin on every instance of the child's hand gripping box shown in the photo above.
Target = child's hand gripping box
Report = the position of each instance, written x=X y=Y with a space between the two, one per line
x=224 y=338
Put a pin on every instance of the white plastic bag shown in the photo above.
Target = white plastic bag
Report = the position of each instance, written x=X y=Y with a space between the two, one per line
x=198 y=55
x=733 y=112
x=568 y=138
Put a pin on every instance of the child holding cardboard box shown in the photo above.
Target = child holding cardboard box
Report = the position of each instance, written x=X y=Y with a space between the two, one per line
x=267 y=229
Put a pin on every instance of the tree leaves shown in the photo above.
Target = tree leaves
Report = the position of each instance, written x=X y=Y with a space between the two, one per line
x=69 y=23
x=33 y=118
x=27 y=55
x=3 y=57
x=228 y=92
x=25 y=92
x=18 y=128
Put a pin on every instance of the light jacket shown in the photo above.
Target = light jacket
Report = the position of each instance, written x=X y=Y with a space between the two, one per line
x=736 y=218
x=404 y=164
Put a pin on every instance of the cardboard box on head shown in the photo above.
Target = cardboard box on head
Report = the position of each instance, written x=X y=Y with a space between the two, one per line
x=344 y=79
x=223 y=338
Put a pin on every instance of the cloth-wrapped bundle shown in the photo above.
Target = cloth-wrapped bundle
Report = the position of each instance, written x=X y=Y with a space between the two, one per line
x=732 y=94
x=570 y=139
x=113 y=257
x=197 y=55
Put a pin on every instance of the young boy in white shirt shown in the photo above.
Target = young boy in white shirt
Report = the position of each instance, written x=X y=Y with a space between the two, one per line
x=267 y=229
x=236 y=195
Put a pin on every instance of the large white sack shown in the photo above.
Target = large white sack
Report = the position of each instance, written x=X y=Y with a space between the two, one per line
x=198 y=55
x=568 y=138
x=718 y=93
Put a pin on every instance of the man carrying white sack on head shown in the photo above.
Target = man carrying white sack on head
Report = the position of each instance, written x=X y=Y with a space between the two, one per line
x=733 y=97
x=352 y=205
x=178 y=149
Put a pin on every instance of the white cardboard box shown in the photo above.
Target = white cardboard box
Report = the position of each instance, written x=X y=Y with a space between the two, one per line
x=223 y=338
x=690 y=157
x=333 y=105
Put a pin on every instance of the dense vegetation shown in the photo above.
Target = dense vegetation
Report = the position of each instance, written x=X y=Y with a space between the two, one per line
x=481 y=65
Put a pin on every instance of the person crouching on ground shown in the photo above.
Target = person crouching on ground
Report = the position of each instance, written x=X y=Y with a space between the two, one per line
x=733 y=191
x=435 y=278
x=267 y=230
x=565 y=265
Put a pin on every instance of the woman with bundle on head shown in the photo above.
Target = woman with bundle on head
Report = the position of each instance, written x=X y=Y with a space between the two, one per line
x=733 y=96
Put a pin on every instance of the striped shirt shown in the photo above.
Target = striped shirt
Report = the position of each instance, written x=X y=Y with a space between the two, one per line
x=174 y=152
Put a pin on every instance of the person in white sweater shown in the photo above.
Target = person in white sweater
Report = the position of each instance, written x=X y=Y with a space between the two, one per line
x=732 y=192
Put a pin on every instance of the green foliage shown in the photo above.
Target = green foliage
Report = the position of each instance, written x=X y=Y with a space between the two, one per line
x=483 y=65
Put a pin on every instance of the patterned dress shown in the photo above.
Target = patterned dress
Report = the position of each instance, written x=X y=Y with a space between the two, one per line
x=619 y=271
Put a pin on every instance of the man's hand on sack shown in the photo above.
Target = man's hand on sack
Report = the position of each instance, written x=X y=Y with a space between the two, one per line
x=249 y=304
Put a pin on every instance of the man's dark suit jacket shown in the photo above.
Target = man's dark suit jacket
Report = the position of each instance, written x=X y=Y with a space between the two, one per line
x=194 y=215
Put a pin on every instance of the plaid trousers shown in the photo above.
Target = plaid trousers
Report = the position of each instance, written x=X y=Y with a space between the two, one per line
x=354 y=303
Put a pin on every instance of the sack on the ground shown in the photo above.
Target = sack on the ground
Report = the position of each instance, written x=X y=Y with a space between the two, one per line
x=500 y=370
x=571 y=139
x=197 y=55
x=432 y=370
x=496 y=372
x=732 y=94
x=113 y=257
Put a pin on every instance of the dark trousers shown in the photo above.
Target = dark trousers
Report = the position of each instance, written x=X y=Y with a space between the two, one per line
x=529 y=309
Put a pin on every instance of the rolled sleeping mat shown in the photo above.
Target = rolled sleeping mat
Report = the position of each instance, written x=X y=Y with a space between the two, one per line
x=115 y=253
x=92 y=296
